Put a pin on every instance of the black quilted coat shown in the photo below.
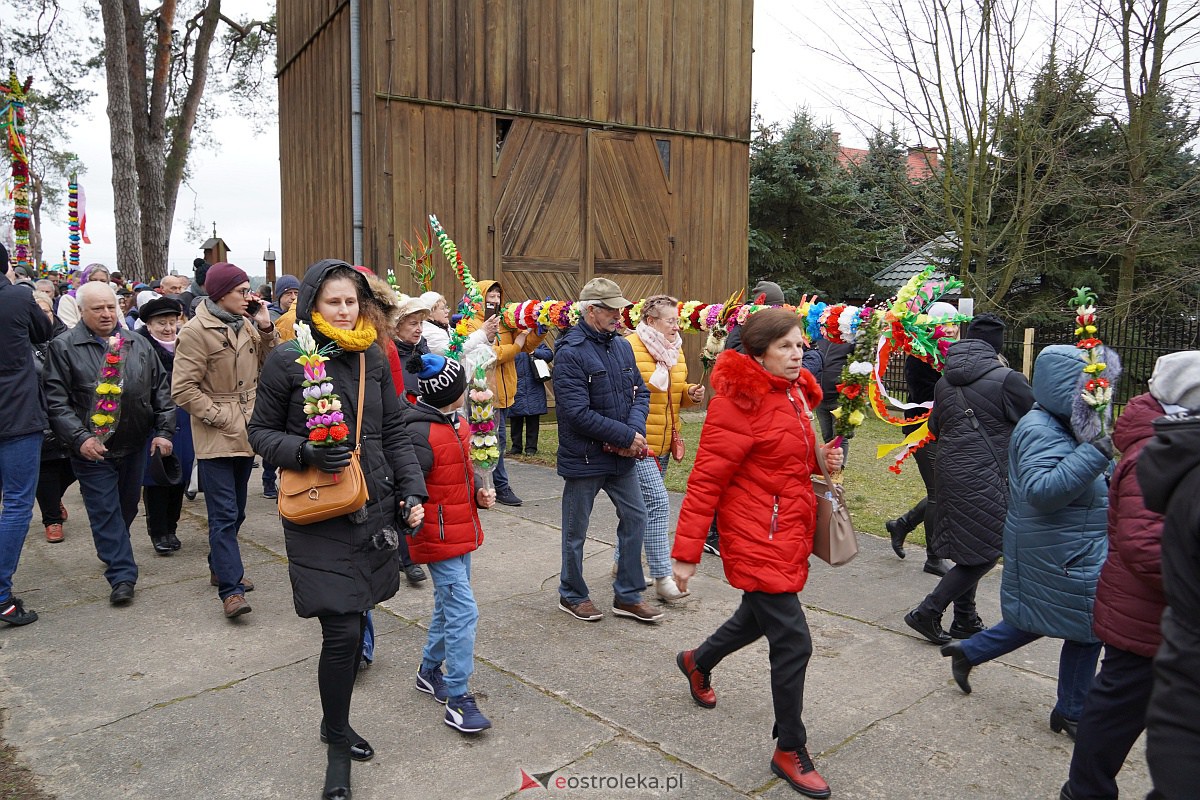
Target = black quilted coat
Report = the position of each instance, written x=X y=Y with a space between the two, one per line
x=334 y=569
x=976 y=404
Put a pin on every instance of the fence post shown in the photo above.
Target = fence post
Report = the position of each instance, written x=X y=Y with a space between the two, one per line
x=1027 y=354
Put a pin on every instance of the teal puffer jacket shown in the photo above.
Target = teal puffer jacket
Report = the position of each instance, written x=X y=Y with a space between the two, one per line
x=1055 y=533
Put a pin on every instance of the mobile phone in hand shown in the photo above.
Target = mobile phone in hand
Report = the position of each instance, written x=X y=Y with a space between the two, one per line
x=253 y=307
x=490 y=310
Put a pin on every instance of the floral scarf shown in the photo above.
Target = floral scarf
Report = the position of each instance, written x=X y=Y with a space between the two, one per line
x=664 y=351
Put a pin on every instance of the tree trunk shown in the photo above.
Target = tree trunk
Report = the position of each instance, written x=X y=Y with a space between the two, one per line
x=124 y=163
x=181 y=134
x=36 y=199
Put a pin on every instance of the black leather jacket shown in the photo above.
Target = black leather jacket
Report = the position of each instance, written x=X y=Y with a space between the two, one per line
x=72 y=372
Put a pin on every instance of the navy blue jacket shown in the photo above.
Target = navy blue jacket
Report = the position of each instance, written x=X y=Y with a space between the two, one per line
x=600 y=399
x=531 y=393
x=24 y=324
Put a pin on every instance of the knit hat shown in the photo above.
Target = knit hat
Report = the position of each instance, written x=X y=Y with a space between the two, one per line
x=988 y=328
x=940 y=309
x=1176 y=379
x=769 y=292
x=286 y=283
x=441 y=380
x=222 y=279
x=431 y=299
x=145 y=297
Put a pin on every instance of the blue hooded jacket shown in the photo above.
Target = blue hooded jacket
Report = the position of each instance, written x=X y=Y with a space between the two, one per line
x=600 y=399
x=1055 y=533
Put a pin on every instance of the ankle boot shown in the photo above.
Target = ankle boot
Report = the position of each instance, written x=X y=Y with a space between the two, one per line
x=337 y=773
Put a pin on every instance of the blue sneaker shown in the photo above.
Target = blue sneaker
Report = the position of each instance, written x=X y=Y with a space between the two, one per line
x=462 y=714
x=430 y=681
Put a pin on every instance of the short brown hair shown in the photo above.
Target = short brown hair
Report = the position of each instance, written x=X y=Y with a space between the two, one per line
x=764 y=327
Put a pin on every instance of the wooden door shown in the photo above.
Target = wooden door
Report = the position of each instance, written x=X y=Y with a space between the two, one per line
x=628 y=202
x=539 y=221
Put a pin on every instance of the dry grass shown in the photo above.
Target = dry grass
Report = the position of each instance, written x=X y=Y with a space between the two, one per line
x=873 y=493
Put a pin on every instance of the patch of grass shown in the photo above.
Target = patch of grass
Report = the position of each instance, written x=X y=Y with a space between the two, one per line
x=16 y=781
x=874 y=494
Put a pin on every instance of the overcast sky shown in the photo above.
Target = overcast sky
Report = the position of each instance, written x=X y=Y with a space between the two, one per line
x=235 y=183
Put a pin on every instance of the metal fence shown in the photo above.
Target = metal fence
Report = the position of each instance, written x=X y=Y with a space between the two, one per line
x=1139 y=343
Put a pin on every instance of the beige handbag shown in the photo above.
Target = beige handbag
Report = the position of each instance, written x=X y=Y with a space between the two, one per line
x=834 y=540
x=311 y=495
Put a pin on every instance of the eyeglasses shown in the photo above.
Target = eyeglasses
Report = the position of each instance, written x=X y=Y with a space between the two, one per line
x=245 y=292
x=672 y=322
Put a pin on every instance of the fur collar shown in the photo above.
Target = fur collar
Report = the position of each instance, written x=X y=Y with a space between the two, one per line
x=743 y=380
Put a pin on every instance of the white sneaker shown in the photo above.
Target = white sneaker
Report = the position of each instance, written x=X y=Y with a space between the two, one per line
x=667 y=590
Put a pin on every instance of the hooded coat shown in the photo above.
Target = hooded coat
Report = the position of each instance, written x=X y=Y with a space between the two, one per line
x=1056 y=531
x=333 y=567
x=1169 y=473
x=1129 y=599
x=975 y=406
x=504 y=382
x=754 y=464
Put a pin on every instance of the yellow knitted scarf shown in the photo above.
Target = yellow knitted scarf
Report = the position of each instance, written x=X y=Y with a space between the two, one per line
x=359 y=338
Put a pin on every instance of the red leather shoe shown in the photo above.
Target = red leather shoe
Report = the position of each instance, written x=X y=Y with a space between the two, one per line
x=54 y=533
x=796 y=767
x=698 y=684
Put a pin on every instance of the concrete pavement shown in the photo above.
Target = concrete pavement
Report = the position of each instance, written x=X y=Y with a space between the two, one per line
x=166 y=699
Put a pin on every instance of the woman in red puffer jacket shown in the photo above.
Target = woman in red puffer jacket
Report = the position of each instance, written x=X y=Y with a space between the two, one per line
x=754 y=465
x=1129 y=598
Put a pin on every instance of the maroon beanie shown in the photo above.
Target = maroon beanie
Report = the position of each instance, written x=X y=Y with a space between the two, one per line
x=222 y=279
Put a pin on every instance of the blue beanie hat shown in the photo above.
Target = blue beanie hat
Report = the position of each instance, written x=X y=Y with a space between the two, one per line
x=441 y=380
x=286 y=283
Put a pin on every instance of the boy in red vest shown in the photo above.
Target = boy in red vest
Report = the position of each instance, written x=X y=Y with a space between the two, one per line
x=441 y=438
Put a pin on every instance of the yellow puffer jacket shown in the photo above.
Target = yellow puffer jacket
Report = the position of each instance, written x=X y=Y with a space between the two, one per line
x=504 y=373
x=658 y=427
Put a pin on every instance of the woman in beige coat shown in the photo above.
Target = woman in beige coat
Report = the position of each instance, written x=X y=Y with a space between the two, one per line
x=217 y=360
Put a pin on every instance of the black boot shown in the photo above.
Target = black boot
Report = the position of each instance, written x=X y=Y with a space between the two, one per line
x=960 y=667
x=337 y=773
x=906 y=523
x=928 y=626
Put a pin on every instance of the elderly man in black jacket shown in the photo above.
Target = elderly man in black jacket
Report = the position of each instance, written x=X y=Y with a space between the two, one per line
x=107 y=432
x=22 y=324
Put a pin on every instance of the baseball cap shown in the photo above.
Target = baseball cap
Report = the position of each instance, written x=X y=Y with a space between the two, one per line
x=604 y=292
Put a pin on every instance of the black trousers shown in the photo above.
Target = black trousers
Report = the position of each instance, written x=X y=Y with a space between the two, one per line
x=1172 y=718
x=530 y=425
x=163 y=506
x=958 y=587
x=1114 y=716
x=341 y=642
x=55 y=476
x=924 y=511
x=780 y=618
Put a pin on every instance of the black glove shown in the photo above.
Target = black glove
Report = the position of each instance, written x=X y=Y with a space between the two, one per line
x=327 y=458
x=405 y=513
x=1104 y=445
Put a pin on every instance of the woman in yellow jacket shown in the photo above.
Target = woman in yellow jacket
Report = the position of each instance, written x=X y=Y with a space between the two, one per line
x=505 y=343
x=656 y=347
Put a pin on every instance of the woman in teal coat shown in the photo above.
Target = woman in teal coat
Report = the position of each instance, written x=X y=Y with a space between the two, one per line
x=1055 y=533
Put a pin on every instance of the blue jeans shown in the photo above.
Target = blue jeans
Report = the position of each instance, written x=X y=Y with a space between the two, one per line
x=657 y=538
x=225 y=481
x=1076 y=662
x=20 y=459
x=452 y=627
x=111 y=489
x=368 y=645
x=579 y=494
x=500 y=474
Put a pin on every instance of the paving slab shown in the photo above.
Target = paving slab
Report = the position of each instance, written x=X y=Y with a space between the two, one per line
x=167 y=699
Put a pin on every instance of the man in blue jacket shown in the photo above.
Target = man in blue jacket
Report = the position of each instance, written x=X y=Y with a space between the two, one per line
x=22 y=324
x=602 y=405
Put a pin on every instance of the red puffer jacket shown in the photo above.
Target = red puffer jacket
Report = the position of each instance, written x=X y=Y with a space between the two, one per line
x=452 y=525
x=1129 y=598
x=754 y=465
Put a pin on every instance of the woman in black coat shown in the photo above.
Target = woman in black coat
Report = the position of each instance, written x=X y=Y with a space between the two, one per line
x=341 y=568
x=976 y=404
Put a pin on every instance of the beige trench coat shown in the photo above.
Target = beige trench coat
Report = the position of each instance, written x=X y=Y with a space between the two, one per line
x=215 y=379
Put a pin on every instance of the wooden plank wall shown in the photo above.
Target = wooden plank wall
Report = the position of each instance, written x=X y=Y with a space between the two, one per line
x=682 y=65
x=679 y=65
